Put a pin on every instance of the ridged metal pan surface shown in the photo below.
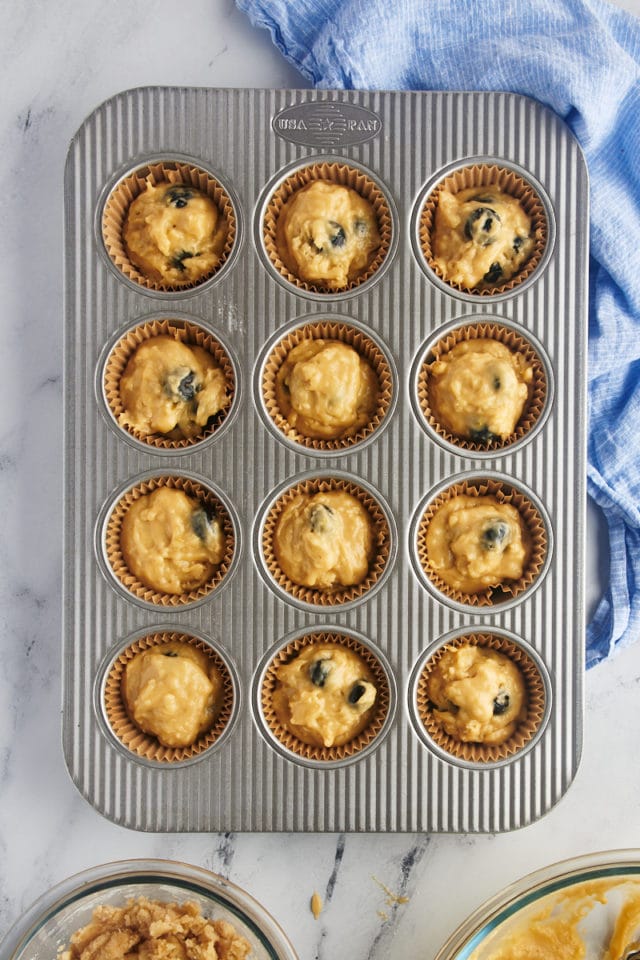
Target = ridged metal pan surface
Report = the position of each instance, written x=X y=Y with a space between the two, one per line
x=405 y=142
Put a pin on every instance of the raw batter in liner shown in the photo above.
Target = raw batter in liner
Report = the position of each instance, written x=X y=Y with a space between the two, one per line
x=324 y=540
x=326 y=390
x=169 y=542
x=174 y=233
x=474 y=543
x=481 y=236
x=327 y=234
x=172 y=692
x=325 y=695
x=172 y=388
x=153 y=930
x=479 y=694
x=478 y=389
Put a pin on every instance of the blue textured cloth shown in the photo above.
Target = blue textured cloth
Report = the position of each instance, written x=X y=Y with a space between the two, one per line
x=582 y=59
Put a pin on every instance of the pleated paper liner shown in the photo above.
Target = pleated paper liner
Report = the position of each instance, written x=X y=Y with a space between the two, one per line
x=361 y=740
x=352 y=337
x=185 y=332
x=146 y=745
x=534 y=536
x=537 y=389
x=171 y=172
x=338 y=595
x=113 y=548
x=526 y=729
x=346 y=176
x=508 y=181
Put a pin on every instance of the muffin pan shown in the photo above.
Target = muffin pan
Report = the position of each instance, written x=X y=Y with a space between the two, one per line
x=399 y=147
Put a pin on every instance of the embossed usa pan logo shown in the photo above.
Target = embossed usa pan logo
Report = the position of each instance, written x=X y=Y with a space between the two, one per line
x=326 y=124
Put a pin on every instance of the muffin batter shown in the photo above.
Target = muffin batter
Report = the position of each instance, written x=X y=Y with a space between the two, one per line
x=325 y=695
x=478 y=693
x=174 y=233
x=481 y=237
x=324 y=540
x=169 y=542
x=171 y=388
x=479 y=389
x=172 y=692
x=153 y=930
x=474 y=543
x=327 y=234
x=326 y=390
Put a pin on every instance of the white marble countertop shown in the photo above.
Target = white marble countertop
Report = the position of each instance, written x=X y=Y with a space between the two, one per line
x=60 y=61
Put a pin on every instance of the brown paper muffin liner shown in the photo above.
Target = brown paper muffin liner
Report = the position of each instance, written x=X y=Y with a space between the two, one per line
x=362 y=344
x=535 y=535
x=381 y=539
x=488 y=175
x=113 y=548
x=537 y=389
x=173 y=172
x=336 y=173
x=527 y=728
x=185 y=332
x=144 y=744
x=361 y=740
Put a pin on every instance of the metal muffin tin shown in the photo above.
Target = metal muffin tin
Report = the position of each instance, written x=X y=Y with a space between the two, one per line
x=249 y=139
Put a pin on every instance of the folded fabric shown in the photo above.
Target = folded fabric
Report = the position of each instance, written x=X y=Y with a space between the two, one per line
x=582 y=59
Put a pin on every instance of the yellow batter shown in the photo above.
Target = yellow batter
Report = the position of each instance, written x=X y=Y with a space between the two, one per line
x=474 y=543
x=153 y=930
x=325 y=389
x=169 y=542
x=599 y=919
x=328 y=234
x=481 y=237
x=324 y=540
x=174 y=233
x=479 y=389
x=479 y=694
x=173 y=692
x=171 y=388
x=325 y=695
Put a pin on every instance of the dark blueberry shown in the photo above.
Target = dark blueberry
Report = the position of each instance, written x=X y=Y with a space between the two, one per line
x=360 y=228
x=496 y=535
x=320 y=518
x=319 y=670
x=338 y=237
x=202 y=523
x=501 y=703
x=356 y=692
x=483 y=435
x=493 y=274
x=496 y=383
x=483 y=198
x=481 y=226
x=169 y=653
x=179 y=196
x=517 y=242
x=187 y=386
x=178 y=260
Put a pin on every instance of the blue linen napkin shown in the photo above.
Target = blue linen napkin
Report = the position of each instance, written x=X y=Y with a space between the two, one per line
x=582 y=59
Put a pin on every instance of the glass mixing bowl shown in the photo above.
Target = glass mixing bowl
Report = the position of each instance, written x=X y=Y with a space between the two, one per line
x=49 y=923
x=616 y=872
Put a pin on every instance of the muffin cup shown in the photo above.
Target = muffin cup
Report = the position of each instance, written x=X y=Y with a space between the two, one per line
x=322 y=754
x=535 y=533
x=350 y=335
x=113 y=549
x=185 y=332
x=382 y=539
x=338 y=173
x=529 y=726
x=538 y=389
x=132 y=185
x=508 y=181
x=145 y=745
